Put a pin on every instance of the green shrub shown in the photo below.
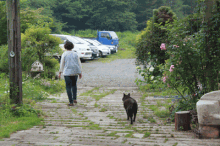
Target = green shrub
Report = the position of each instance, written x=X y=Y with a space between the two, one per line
x=4 y=59
x=36 y=42
x=192 y=66
x=24 y=110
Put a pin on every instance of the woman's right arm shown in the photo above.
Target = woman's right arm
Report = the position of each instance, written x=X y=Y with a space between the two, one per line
x=80 y=64
x=61 y=64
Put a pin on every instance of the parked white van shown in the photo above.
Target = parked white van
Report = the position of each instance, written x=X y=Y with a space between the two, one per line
x=95 y=50
x=83 y=51
x=103 y=50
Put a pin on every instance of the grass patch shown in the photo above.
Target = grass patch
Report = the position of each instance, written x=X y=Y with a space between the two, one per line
x=54 y=101
x=111 y=117
x=70 y=126
x=96 y=105
x=97 y=95
x=162 y=113
x=165 y=140
x=13 y=124
x=103 y=110
x=92 y=126
x=175 y=144
x=153 y=107
x=74 y=110
x=130 y=135
x=101 y=95
x=142 y=99
x=124 y=141
x=89 y=92
x=146 y=134
x=151 y=119
x=113 y=134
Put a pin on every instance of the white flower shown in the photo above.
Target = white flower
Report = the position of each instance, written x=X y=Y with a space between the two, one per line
x=142 y=73
x=151 y=69
x=155 y=81
x=152 y=77
x=22 y=82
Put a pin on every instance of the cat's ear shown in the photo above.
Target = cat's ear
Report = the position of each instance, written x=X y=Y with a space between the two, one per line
x=128 y=94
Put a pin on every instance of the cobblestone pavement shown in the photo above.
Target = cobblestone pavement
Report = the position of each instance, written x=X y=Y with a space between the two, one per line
x=99 y=119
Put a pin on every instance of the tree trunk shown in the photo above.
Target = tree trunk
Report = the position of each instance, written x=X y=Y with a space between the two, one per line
x=182 y=121
x=14 y=51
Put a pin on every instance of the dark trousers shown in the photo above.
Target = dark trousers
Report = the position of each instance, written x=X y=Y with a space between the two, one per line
x=71 y=87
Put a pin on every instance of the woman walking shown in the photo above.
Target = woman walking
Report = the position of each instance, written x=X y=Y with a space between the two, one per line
x=70 y=66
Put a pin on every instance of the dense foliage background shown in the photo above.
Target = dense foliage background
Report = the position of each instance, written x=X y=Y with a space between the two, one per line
x=73 y=15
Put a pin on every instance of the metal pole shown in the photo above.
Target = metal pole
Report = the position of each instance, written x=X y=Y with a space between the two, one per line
x=14 y=51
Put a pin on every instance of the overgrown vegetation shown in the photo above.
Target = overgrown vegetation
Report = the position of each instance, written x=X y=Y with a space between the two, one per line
x=189 y=66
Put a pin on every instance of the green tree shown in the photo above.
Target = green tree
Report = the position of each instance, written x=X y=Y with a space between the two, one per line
x=33 y=17
x=144 y=10
x=182 y=8
x=111 y=15
x=35 y=42
x=3 y=23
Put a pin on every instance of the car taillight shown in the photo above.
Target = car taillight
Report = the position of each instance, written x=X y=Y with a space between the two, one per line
x=82 y=53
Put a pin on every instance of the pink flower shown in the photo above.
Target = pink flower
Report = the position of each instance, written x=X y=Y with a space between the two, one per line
x=168 y=85
x=176 y=46
x=171 y=68
x=162 y=46
x=164 y=79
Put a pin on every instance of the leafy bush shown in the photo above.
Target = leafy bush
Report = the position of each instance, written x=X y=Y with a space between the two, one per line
x=36 y=42
x=148 y=42
x=24 y=110
x=193 y=64
x=4 y=59
x=192 y=68
x=51 y=67
x=163 y=14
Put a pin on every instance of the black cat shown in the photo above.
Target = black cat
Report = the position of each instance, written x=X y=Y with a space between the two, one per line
x=130 y=106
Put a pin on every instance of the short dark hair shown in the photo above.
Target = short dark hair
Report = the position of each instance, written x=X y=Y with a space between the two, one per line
x=68 y=45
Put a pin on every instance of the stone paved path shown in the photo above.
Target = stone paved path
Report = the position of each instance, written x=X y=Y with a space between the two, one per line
x=103 y=121
x=88 y=124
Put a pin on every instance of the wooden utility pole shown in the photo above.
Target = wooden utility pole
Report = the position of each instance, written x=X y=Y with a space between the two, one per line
x=14 y=50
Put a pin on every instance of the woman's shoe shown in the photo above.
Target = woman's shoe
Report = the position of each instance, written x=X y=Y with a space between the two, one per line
x=75 y=101
x=70 y=104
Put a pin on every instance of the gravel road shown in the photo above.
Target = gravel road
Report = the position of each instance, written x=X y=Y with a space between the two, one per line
x=118 y=73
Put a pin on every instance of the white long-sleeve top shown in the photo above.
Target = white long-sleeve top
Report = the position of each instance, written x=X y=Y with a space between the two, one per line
x=70 y=64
